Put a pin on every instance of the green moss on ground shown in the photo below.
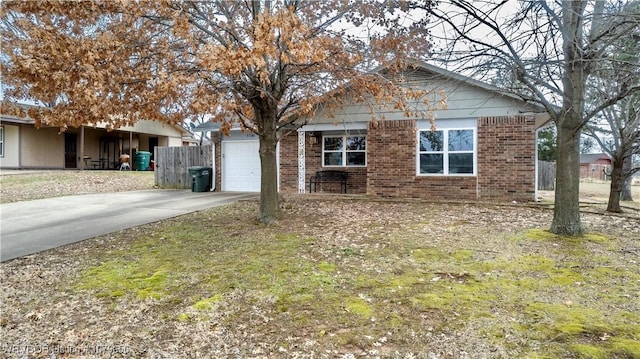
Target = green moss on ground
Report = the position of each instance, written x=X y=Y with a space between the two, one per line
x=118 y=278
x=538 y=234
x=359 y=307
x=574 y=302
x=208 y=303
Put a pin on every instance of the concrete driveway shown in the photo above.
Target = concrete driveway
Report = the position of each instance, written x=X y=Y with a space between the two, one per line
x=33 y=226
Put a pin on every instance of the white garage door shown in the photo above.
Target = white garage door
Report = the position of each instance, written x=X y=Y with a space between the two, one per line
x=241 y=166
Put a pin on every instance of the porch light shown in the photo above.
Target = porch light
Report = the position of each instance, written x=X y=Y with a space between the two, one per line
x=314 y=138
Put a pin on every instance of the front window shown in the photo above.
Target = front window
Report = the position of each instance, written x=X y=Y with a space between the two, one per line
x=446 y=152
x=344 y=151
x=1 y=141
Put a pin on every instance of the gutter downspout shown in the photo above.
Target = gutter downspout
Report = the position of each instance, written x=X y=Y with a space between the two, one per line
x=213 y=165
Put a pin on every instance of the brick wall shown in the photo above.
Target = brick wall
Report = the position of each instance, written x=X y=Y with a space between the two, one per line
x=595 y=170
x=392 y=167
x=215 y=138
x=289 y=162
x=506 y=157
x=506 y=163
x=356 y=183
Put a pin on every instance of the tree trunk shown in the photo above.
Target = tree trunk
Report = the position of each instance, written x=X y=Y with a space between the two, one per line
x=617 y=182
x=626 y=186
x=269 y=201
x=566 y=213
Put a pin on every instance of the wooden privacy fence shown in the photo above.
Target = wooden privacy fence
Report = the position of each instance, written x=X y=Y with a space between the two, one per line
x=172 y=164
x=546 y=175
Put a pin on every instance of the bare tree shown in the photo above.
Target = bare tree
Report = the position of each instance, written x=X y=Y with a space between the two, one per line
x=551 y=49
x=617 y=128
x=619 y=136
x=261 y=64
x=632 y=167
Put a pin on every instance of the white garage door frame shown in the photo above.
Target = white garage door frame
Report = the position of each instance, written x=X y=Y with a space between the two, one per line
x=227 y=159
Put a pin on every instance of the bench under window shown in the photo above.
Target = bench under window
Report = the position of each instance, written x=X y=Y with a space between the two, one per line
x=329 y=176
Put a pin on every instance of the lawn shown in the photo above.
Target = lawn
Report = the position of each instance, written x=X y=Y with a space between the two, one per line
x=594 y=195
x=338 y=277
x=29 y=185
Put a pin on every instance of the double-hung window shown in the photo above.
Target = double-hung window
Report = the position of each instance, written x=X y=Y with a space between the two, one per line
x=344 y=151
x=1 y=141
x=447 y=152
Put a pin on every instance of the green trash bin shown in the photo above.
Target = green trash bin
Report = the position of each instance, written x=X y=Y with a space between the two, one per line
x=141 y=160
x=200 y=178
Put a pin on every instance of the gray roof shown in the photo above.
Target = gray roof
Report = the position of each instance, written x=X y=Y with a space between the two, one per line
x=207 y=126
x=420 y=65
x=593 y=157
x=215 y=127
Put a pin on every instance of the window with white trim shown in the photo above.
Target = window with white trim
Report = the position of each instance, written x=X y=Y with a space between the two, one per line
x=447 y=152
x=1 y=141
x=341 y=151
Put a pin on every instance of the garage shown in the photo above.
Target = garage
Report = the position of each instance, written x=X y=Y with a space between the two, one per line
x=240 y=166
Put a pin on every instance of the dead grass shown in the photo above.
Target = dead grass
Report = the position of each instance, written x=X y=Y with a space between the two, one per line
x=29 y=185
x=594 y=195
x=336 y=278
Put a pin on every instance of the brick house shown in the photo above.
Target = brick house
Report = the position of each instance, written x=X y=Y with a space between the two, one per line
x=595 y=165
x=483 y=148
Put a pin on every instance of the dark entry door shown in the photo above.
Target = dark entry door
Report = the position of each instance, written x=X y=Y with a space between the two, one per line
x=70 y=150
x=153 y=143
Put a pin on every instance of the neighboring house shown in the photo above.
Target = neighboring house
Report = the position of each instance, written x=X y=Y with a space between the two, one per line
x=595 y=166
x=484 y=147
x=23 y=146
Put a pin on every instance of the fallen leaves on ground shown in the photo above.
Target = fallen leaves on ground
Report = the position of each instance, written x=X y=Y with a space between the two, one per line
x=30 y=185
x=337 y=277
